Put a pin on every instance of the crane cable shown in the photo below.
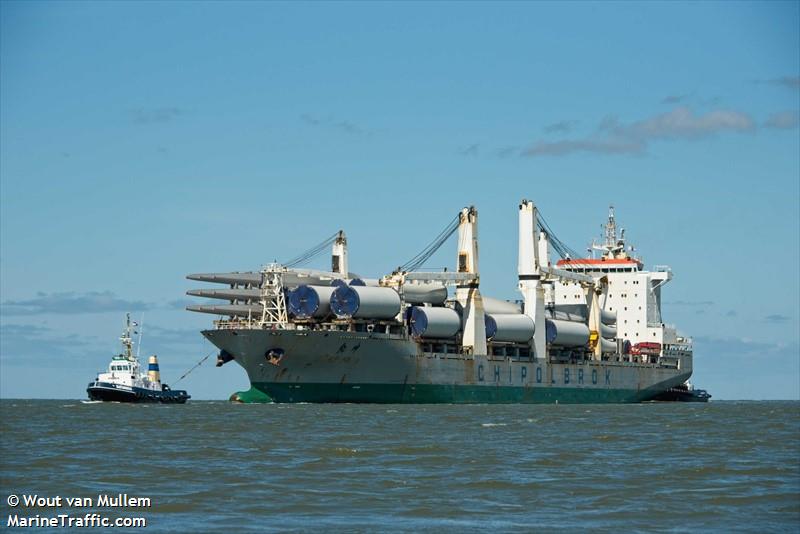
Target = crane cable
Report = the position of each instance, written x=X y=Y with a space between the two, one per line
x=561 y=248
x=311 y=253
x=425 y=254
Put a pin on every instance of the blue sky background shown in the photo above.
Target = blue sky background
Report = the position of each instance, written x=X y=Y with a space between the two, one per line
x=143 y=141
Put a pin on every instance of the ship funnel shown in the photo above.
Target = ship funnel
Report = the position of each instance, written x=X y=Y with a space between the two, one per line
x=152 y=369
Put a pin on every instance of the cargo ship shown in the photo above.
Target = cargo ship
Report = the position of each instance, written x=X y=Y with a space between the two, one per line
x=586 y=330
x=125 y=381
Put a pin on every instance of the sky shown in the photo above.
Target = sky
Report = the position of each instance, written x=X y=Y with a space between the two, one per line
x=141 y=142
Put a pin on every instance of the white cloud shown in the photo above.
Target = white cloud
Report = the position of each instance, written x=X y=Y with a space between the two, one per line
x=560 y=127
x=615 y=137
x=605 y=146
x=784 y=120
x=790 y=82
x=72 y=303
x=681 y=122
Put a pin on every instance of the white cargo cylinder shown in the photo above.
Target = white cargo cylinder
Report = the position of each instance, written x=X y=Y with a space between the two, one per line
x=608 y=317
x=496 y=306
x=607 y=346
x=430 y=322
x=608 y=332
x=365 y=302
x=306 y=301
x=566 y=333
x=434 y=294
x=510 y=327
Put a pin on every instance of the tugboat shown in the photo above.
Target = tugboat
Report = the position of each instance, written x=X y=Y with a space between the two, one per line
x=126 y=382
x=685 y=392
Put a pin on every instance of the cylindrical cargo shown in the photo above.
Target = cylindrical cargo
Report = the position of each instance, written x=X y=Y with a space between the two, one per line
x=253 y=279
x=608 y=317
x=292 y=279
x=566 y=333
x=509 y=327
x=496 y=306
x=152 y=369
x=571 y=312
x=227 y=294
x=305 y=301
x=608 y=332
x=607 y=345
x=365 y=302
x=429 y=322
x=354 y=282
x=421 y=293
x=567 y=316
x=253 y=310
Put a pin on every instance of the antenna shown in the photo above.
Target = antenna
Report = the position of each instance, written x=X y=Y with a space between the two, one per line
x=611 y=228
x=139 y=343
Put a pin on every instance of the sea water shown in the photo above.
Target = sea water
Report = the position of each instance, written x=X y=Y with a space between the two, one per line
x=217 y=466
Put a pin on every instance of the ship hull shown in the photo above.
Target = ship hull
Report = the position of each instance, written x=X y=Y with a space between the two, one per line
x=109 y=392
x=334 y=366
x=682 y=394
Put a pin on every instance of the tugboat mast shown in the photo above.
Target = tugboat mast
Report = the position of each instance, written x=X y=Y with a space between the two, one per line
x=126 y=339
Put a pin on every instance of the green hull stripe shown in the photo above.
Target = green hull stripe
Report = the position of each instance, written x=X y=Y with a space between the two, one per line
x=431 y=394
x=252 y=395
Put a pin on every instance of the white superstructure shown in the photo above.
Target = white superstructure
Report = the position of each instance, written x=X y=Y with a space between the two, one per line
x=632 y=293
x=124 y=369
